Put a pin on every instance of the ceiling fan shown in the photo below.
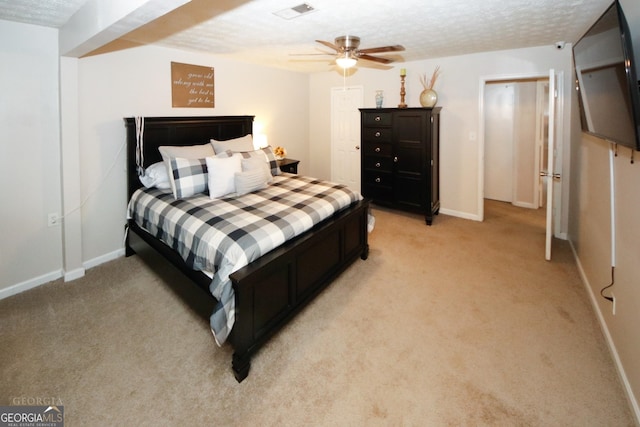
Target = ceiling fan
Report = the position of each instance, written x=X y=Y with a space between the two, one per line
x=347 y=52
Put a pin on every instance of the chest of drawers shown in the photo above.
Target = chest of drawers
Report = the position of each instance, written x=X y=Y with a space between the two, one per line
x=400 y=164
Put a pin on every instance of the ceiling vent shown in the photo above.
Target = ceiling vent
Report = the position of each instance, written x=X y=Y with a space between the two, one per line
x=295 y=12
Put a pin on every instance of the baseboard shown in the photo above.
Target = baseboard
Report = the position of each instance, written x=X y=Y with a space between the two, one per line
x=74 y=274
x=633 y=401
x=525 y=205
x=30 y=284
x=463 y=215
x=54 y=275
x=103 y=258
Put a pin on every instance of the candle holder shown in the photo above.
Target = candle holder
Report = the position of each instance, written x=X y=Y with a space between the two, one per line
x=402 y=93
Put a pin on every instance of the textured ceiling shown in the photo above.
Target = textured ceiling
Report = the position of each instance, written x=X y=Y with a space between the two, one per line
x=48 y=13
x=250 y=31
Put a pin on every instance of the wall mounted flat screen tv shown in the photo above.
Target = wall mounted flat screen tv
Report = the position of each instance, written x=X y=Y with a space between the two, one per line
x=608 y=86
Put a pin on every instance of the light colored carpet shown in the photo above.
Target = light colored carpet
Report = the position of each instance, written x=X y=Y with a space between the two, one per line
x=460 y=323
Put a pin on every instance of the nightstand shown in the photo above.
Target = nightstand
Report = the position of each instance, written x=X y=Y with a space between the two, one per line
x=288 y=165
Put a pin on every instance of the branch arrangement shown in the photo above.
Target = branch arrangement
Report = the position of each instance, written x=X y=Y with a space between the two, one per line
x=428 y=84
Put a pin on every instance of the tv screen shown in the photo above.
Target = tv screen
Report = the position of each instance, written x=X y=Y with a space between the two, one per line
x=609 y=90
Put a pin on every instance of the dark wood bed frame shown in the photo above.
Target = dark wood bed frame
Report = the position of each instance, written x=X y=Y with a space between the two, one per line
x=274 y=288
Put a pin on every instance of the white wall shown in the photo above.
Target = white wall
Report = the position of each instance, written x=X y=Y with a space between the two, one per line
x=590 y=235
x=29 y=156
x=137 y=82
x=106 y=89
x=459 y=87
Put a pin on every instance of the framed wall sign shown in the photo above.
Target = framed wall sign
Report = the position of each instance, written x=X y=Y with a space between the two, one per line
x=192 y=86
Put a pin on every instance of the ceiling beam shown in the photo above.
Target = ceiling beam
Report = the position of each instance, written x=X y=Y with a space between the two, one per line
x=99 y=22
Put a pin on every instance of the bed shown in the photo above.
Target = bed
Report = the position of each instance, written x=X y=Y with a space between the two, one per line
x=270 y=290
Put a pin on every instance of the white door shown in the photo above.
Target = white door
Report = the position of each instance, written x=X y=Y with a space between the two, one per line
x=549 y=174
x=499 y=128
x=526 y=172
x=542 y=137
x=345 y=135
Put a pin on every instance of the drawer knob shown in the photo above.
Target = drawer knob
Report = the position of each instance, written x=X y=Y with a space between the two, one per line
x=377 y=150
x=377 y=119
x=377 y=164
x=395 y=159
x=378 y=180
x=377 y=134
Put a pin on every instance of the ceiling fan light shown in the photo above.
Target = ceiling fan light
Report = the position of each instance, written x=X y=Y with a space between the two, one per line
x=346 y=61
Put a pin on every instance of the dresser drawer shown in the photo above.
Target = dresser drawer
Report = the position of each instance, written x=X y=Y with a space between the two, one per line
x=377 y=119
x=376 y=134
x=377 y=192
x=370 y=148
x=379 y=178
x=377 y=163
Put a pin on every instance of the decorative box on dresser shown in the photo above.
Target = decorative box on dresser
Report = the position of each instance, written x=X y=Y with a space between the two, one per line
x=400 y=158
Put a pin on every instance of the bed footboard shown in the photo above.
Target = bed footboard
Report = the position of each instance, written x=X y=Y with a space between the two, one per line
x=270 y=291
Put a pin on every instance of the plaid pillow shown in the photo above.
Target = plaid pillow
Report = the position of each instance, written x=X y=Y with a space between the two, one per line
x=271 y=158
x=190 y=176
x=169 y=152
x=267 y=155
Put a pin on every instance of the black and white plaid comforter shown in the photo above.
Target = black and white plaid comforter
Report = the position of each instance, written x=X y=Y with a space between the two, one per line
x=224 y=235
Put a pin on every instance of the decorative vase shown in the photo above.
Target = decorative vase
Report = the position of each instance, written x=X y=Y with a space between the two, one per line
x=379 y=98
x=428 y=98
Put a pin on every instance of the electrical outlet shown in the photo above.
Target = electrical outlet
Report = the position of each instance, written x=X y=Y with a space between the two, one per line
x=53 y=219
x=613 y=297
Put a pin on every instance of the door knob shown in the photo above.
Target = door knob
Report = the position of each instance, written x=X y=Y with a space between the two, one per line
x=357 y=147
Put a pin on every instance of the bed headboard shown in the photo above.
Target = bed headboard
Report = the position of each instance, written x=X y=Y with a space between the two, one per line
x=160 y=131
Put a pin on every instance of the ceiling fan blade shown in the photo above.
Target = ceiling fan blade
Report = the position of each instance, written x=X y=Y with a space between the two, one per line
x=310 y=54
x=329 y=44
x=375 y=59
x=394 y=48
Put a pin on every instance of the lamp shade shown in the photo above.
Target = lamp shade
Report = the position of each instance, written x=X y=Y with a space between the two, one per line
x=260 y=140
x=346 y=61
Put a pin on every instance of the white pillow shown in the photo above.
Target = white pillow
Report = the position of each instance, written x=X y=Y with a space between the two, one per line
x=156 y=176
x=222 y=171
x=185 y=152
x=244 y=143
x=251 y=180
x=253 y=163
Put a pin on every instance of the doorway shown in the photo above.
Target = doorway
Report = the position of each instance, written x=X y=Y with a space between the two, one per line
x=516 y=122
x=548 y=124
